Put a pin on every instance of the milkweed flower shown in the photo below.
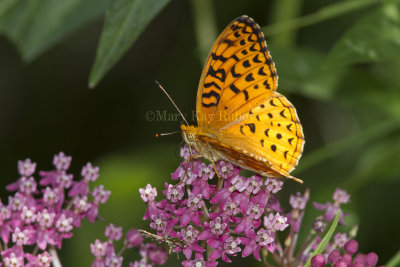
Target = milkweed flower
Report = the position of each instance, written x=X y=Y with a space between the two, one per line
x=43 y=213
x=211 y=222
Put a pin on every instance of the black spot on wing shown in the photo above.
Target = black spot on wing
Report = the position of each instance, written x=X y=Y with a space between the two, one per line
x=212 y=93
x=218 y=74
x=252 y=127
x=209 y=105
x=207 y=85
x=244 y=30
x=241 y=129
x=266 y=84
x=250 y=38
x=253 y=48
x=233 y=72
x=220 y=57
x=256 y=60
x=234 y=88
x=261 y=71
x=246 y=64
x=235 y=27
x=228 y=42
x=246 y=95
x=249 y=77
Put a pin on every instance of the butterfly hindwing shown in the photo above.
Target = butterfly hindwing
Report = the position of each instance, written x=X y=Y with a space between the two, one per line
x=239 y=74
x=271 y=132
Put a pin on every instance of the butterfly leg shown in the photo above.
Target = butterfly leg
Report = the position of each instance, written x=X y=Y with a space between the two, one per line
x=219 y=177
x=187 y=165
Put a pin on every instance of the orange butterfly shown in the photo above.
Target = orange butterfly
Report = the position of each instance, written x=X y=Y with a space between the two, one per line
x=241 y=118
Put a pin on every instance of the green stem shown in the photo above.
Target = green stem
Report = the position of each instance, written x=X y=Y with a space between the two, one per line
x=325 y=239
x=285 y=10
x=323 y=14
x=394 y=261
x=205 y=26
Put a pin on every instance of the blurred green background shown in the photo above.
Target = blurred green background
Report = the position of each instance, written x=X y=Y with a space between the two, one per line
x=337 y=61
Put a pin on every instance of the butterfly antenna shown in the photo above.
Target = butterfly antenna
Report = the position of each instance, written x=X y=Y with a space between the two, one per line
x=172 y=101
x=164 y=134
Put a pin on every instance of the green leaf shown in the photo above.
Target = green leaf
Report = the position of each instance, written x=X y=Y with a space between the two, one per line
x=125 y=20
x=374 y=38
x=325 y=13
x=325 y=240
x=36 y=25
x=6 y=5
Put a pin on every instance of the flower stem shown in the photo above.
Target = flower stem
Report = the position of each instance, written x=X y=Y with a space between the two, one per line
x=56 y=260
x=35 y=250
x=278 y=259
x=303 y=247
x=265 y=260
x=122 y=250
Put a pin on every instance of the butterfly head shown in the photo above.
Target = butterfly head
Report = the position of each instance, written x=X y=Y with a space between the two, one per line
x=189 y=134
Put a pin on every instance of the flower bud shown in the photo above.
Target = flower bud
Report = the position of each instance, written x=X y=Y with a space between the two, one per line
x=318 y=261
x=334 y=257
x=351 y=247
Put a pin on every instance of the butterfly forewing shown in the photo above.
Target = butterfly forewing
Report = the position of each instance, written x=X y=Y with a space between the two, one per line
x=241 y=117
x=238 y=75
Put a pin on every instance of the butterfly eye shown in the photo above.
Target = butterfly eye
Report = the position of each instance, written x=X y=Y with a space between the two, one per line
x=191 y=137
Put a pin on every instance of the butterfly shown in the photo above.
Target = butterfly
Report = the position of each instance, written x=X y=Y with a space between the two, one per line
x=240 y=116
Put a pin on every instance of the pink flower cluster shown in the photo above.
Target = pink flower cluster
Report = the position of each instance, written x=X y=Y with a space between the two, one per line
x=105 y=254
x=38 y=217
x=210 y=221
x=241 y=216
